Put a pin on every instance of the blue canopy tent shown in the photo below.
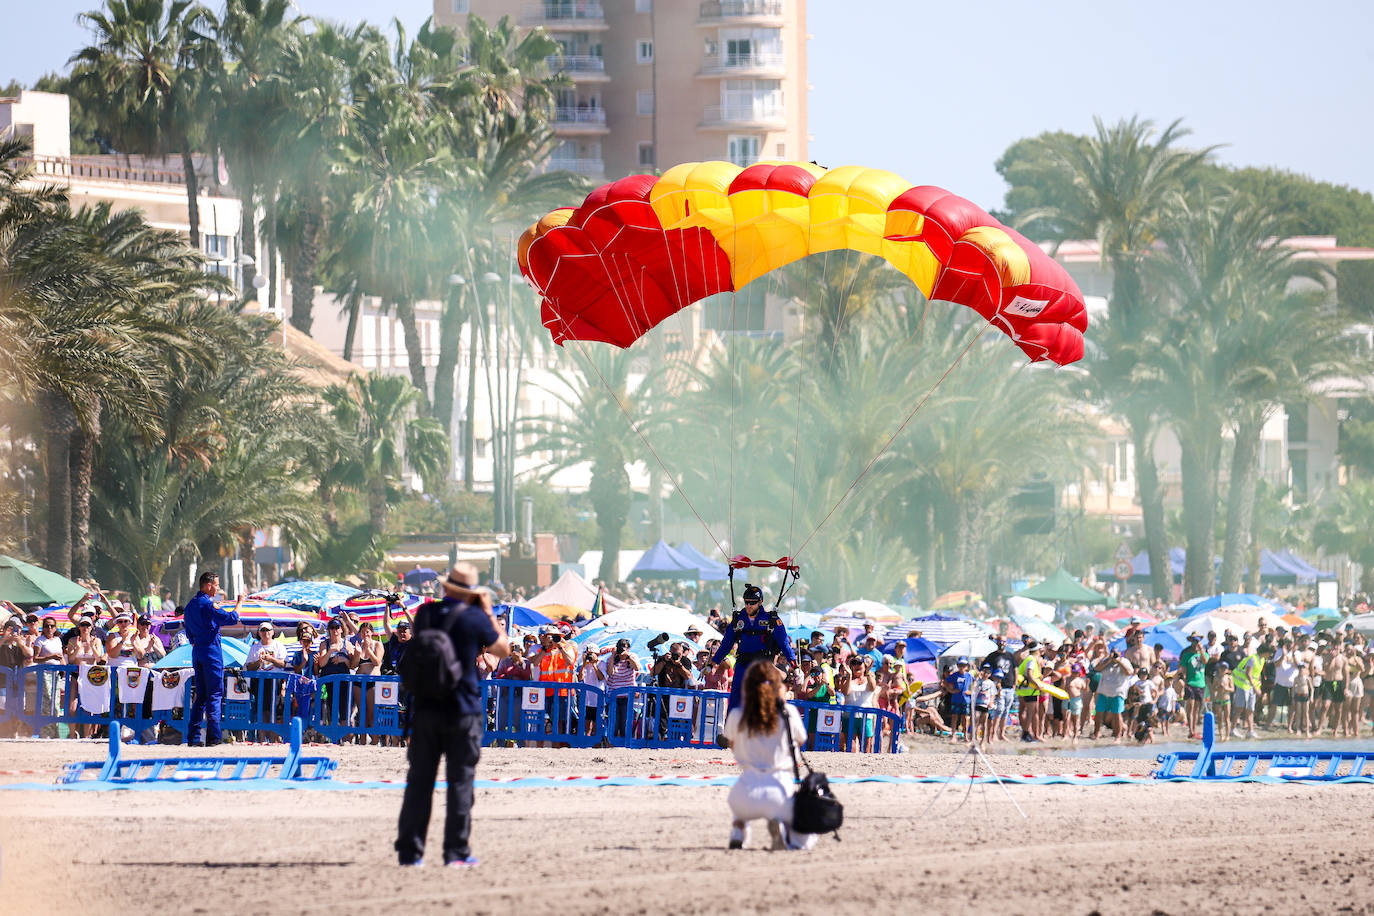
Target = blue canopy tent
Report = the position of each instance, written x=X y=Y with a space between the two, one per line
x=1199 y=606
x=918 y=649
x=1307 y=573
x=1174 y=641
x=520 y=616
x=235 y=652
x=661 y=561
x=1140 y=567
x=710 y=570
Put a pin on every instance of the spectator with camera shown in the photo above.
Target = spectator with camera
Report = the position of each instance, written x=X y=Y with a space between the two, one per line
x=555 y=662
x=622 y=670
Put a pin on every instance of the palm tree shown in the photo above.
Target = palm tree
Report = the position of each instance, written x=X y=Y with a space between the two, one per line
x=379 y=410
x=1125 y=182
x=1344 y=528
x=143 y=76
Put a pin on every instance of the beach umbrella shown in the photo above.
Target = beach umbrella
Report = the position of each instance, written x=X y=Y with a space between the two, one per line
x=1207 y=623
x=1250 y=619
x=254 y=611
x=1062 y=588
x=945 y=630
x=924 y=672
x=24 y=583
x=1312 y=615
x=420 y=576
x=1173 y=640
x=316 y=595
x=801 y=619
x=521 y=616
x=1038 y=629
x=870 y=610
x=1363 y=624
x=1124 y=615
x=954 y=599
x=854 y=625
x=918 y=649
x=1030 y=607
x=977 y=647
x=1083 y=621
x=664 y=617
x=1229 y=601
x=370 y=606
x=235 y=652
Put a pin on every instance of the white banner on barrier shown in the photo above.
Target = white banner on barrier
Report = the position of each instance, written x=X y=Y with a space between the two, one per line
x=133 y=683
x=236 y=688
x=386 y=693
x=532 y=699
x=679 y=707
x=828 y=721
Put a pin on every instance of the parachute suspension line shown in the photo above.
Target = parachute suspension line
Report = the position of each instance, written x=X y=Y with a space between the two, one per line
x=648 y=445
x=730 y=534
x=890 y=439
x=796 y=441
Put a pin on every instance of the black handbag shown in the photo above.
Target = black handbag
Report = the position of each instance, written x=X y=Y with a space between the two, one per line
x=815 y=809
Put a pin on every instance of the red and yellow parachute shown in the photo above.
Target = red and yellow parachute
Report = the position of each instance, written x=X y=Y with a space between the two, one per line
x=640 y=249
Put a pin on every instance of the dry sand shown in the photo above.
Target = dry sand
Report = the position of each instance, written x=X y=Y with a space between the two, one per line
x=1172 y=848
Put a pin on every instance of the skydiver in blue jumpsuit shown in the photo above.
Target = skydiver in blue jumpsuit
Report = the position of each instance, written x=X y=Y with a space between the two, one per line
x=202 y=622
x=757 y=634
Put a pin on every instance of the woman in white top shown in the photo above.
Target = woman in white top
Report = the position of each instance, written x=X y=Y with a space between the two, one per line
x=766 y=784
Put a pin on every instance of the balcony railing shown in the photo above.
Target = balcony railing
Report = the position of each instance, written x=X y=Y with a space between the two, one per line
x=744 y=114
x=595 y=117
x=740 y=9
x=759 y=60
x=577 y=166
x=576 y=63
x=103 y=168
x=564 y=13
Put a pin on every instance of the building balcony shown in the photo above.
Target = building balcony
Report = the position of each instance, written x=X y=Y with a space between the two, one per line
x=572 y=120
x=104 y=168
x=564 y=15
x=758 y=64
x=757 y=117
x=592 y=168
x=740 y=12
x=581 y=68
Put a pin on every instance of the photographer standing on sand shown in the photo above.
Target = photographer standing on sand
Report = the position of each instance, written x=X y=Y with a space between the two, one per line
x=446 y=723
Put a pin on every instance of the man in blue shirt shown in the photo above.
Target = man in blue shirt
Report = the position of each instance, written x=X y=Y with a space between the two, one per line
x=203 y=620
x=959 y=685
x=452 y=727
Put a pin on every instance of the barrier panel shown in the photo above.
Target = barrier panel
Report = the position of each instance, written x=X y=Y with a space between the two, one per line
x=664 y=716
x=261 y=704
x=358 y=704
x=536 y=711
x=862 y=729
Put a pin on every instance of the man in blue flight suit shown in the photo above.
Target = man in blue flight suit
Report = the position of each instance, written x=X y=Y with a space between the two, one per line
x=203 y=620
x=757 y=634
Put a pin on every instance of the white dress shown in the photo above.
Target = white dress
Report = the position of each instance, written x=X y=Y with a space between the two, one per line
x=765 y=785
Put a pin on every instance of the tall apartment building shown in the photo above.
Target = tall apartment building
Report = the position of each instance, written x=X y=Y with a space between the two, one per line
x=658 y=83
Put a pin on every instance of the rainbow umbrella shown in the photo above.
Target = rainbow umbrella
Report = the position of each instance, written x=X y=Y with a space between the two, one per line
x=255 y=611
x=954 y=599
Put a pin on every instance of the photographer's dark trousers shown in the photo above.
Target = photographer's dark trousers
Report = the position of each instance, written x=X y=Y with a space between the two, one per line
x=458 y=738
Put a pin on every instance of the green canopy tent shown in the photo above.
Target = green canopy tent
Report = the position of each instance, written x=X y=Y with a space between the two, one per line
x=24 y=583
x=1062 y=588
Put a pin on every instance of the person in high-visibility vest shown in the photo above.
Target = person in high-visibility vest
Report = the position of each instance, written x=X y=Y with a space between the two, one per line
x=1247 y=678
x=1027 y=693
x=555 y=661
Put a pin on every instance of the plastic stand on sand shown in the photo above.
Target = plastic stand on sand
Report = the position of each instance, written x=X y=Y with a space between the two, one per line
x=974 y=754
x=1213 y=764
x=239 y=768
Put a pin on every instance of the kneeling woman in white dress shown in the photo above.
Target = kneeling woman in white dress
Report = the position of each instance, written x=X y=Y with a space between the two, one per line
x=766 y=785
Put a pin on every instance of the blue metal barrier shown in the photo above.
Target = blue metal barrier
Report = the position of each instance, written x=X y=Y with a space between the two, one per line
x=537 y=711
x=1214 y=763
x=358 y=704
x=864 y=729
x=664 y=716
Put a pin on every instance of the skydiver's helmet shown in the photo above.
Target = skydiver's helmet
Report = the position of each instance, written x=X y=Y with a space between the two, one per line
x=753 y=593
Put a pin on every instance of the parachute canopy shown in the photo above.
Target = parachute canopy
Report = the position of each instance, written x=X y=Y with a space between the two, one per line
x=640 y=249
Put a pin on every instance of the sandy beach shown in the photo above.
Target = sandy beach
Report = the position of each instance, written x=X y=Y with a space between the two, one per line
x=1171 y=848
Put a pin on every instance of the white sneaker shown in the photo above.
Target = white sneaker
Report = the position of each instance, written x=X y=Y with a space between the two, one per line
x=739 y=836
x=1252 y=734
x=1237 y=733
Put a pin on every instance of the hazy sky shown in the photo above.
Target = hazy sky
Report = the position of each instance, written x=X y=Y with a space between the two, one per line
x=936 y=91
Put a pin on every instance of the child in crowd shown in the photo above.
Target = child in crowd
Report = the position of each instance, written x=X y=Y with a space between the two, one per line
x=1222 y=688
x=1145 y=706
x=1077 y=689
x=1298 y=722
x=1167 y=704
x=984 y=699
x=958 y=684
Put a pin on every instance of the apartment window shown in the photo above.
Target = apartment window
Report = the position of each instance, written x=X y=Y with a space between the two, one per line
x=644 y=6
x=646 y=155
x=743 y=151
x=644 y=102
x=782 y=151
x=644 y=52
x=756 y=98
x=217 y=247
x=460 y=7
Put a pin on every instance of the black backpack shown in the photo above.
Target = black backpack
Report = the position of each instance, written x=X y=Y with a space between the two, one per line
x=430 y=668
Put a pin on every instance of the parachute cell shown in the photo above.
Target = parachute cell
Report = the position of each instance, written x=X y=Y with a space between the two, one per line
x=640 y=249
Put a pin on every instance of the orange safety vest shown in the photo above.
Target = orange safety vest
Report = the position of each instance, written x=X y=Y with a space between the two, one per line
x=555 y=666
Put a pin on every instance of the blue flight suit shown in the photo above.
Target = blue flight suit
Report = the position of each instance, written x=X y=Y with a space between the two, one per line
x=758 y=637
x=203 y=620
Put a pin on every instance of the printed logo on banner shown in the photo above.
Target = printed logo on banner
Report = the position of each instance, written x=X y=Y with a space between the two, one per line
x=170 y=679
x=828 y=721
x=531 y=698
x=385 y=694
x=134 y=676
x=235 y=688
x=679 y=707
x=98 y=675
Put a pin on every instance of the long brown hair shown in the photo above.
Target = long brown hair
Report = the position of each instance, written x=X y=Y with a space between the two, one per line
x=762 y=693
